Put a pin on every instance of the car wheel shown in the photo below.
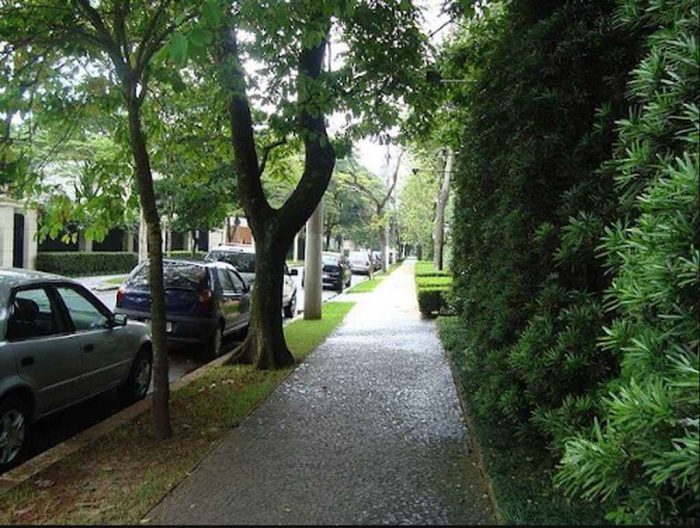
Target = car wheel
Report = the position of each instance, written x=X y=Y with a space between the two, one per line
x=291 y=309
x=136 y=386
x=14 y=423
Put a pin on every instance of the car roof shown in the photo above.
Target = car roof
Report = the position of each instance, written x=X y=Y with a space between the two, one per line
x=242 y=248
x=13 y=277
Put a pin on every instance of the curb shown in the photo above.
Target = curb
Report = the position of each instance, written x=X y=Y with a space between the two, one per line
x=35 y=465
x=472 y=442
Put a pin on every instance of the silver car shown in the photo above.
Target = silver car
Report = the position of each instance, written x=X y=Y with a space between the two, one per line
x=60 y=345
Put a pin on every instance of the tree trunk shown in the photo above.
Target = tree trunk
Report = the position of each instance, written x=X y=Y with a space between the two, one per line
x=383 y=242
x=439 y=226
x=144 y=179
x=194 y=241
x=264 y=344
x=273 y=229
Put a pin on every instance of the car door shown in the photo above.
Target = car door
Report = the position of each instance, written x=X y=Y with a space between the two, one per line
x=105 y=358
x=230 y=300
x=242 y=295
x=46 y=353
x=288 y=286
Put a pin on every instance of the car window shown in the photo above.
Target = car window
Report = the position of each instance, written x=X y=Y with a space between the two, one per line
x=238 y=285
x=175 y=275
x=225 y=279
x=243 y=262
x=33 y=315
x=84 y=314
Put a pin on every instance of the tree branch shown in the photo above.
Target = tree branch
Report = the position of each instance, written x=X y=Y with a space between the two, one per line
x=266 y=152
x=394 y=179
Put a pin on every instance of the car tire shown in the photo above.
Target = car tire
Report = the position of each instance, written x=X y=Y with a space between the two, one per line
x=14 y=427
x=215 y=346
x=136 y=386
x=291 y=308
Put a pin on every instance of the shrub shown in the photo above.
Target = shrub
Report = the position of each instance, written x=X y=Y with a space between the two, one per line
x=641 y=455
x=432 y=301
x=424 y=268
x=74 y=263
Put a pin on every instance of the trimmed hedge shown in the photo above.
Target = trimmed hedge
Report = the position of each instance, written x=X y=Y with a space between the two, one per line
x=432 y=288
x=78 y=263
x=425 y=268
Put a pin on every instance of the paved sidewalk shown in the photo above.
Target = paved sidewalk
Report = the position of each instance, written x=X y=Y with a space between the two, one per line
x=368 y=430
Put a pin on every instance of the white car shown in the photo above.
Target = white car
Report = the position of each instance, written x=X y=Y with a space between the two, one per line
x=242 y=257
x=361 y=262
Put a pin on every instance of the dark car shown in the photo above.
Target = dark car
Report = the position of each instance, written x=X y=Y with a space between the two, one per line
x=59 y=345
x=336 y=271
x=242 y=257
x=204 y=302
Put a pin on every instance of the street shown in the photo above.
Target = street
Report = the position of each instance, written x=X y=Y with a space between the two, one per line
x=60 y=426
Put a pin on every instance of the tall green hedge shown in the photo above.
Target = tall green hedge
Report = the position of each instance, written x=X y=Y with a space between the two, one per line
x=574 y=256
x=641 y=455
x=75 y=263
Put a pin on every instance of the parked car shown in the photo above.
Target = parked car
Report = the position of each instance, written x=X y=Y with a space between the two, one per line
x=59 y=345
x=204 y=302
x=361 y=262
x=242 y=257
x=336 y=271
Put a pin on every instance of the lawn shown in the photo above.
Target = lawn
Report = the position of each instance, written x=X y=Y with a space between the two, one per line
x=369 y=285
x=118 y=478
x=116 y=280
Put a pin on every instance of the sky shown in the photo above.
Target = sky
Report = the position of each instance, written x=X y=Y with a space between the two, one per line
x=378 y=158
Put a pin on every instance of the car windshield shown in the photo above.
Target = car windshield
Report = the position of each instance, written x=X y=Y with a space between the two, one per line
x=358 y=255
x=243 y=262
x=330 y=258
x=183 y=275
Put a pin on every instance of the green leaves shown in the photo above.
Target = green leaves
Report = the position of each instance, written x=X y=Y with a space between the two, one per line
x=178 y=49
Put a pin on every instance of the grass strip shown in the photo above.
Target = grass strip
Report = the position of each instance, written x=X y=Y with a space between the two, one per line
x=520 y=468
x=118 y=478
x=115 y=280
x=369 y=285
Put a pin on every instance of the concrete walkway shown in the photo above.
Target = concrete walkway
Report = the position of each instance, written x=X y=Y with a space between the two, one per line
x=367 y=431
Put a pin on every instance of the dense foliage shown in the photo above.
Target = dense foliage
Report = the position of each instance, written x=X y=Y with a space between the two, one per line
x=76 y=264
x=576 y=207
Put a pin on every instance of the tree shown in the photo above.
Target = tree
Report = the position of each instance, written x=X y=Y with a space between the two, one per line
x=382 y=63
x=443 y=196
x=415 y=211
x=125 y=45
x=380 y=200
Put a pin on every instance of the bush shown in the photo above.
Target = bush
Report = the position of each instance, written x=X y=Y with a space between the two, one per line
x=433 y=281
x=641 y=454
x=74 y=263
x=424 y=268
x=432 y=301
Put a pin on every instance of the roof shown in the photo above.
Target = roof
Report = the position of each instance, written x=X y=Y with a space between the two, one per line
x=239 y=248
x=12 y=277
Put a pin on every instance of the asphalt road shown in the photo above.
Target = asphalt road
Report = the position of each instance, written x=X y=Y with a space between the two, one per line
x=58 y=427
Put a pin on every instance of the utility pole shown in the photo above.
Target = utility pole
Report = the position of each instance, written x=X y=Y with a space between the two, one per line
x=313 y=286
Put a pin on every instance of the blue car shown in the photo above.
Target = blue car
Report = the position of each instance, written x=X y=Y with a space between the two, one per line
x=204 y=302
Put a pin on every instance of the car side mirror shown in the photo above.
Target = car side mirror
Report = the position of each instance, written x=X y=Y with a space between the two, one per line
x=294 y=272
x=118 y=320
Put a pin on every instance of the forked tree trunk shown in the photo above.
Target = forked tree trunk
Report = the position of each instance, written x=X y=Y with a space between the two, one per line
x=265 y=344
x=273 y=229
x=144 y=179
